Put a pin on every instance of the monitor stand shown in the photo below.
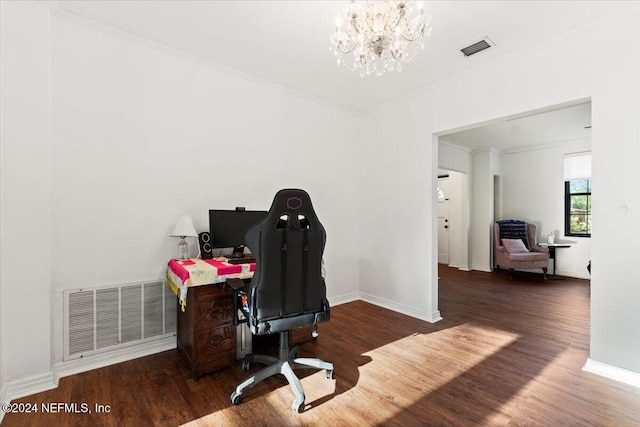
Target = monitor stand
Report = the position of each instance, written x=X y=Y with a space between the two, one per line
x=239 y=257
x=238 y=252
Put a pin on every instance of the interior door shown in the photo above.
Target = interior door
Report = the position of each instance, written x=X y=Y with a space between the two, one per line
x=443 y=220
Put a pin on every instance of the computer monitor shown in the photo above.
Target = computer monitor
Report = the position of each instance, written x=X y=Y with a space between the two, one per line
x=228 y=227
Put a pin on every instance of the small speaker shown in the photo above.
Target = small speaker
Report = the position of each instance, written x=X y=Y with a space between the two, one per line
x=206 y=250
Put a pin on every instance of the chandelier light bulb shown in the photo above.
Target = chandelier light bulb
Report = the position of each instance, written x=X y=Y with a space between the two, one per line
x=379 y=35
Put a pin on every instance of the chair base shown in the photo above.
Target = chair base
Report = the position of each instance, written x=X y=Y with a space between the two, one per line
x=287 y=361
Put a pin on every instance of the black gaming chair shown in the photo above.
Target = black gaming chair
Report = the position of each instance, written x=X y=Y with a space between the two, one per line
x=287 y=289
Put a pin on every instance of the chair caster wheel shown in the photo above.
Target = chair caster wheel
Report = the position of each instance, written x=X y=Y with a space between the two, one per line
x=329 y=374
x=298 y=406
x=236 y=398
x=245 y=366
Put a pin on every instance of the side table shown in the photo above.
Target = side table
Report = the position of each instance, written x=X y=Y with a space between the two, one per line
x=552 y=252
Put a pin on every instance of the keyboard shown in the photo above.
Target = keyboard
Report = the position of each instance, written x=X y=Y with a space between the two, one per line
x=244 y=260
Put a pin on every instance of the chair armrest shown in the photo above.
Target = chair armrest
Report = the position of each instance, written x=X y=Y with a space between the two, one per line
x=501 y=248
x=237 y=285
x=536 y=248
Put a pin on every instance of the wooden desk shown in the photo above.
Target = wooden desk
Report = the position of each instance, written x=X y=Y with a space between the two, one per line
x=185 y=274
x=205 y=331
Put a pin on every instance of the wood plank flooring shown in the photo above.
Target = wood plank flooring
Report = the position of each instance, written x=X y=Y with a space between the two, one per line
x=506 y=353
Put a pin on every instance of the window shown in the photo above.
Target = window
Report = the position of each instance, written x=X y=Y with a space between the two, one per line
x=577 y=194
x=577 y=214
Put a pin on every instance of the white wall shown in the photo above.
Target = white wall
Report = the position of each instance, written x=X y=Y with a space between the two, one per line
x=139 y=144
x=602 y=64
x=25 y=189
x=485 y=164
x=533 y=190
x=398 y=242
x=137 y=136
x=454 y=157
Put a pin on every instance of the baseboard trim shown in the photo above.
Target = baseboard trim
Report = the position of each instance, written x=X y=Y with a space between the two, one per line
x=39 y=383
x=576 y=274
x=343 y=299
x=76 y=366
x=400 y=308
x=27 y=386
x=612 y=372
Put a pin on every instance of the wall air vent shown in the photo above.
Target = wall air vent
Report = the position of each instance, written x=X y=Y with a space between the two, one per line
x=97 y=320
x=483 y=44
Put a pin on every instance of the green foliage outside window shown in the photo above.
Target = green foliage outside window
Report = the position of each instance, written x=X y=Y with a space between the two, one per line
x=578 y=207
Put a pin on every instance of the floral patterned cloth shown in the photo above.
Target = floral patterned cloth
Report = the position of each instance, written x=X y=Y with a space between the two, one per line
x=185 y=273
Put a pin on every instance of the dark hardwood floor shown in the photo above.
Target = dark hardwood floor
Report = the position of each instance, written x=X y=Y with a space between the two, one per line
x=506 y=353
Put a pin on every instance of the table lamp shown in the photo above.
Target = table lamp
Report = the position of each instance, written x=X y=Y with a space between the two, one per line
x=184 y=228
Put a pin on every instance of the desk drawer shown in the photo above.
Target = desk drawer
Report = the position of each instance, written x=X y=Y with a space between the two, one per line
x=213 y=312
x=214 y=364
x=215 y=342
x=208 y=291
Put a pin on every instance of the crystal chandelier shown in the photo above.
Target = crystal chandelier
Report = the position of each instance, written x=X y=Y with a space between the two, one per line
x=379 y=35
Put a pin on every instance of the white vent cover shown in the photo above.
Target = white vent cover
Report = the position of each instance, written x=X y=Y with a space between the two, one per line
x=101 y=319
x=476 y=47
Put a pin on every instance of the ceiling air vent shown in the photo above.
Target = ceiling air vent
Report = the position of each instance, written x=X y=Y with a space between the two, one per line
x=483 y=44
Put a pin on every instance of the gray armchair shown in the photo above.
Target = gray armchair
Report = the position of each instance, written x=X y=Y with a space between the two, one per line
x=287 y=290
x=512 y=256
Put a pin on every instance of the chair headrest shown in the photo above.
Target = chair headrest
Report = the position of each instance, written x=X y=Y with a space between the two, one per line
x=291 y=208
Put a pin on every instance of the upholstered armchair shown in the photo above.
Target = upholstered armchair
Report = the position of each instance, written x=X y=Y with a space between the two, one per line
x=517 y=248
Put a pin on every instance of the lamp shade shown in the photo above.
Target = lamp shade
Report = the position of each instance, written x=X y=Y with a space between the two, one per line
x=184 y=227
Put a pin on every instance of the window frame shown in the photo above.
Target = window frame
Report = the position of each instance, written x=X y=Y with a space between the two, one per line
x=567 y=207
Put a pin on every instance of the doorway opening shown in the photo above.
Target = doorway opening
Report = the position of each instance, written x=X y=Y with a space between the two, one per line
x=513 y=170
x=453 y=219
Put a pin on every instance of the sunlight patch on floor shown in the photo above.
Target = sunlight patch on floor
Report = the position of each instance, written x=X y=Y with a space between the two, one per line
x=438 y=357
x=376 y=388
x=279 y=400
x=562 y=369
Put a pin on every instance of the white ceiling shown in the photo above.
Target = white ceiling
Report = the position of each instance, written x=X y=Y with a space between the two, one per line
x=287 y=42
x=550 y=126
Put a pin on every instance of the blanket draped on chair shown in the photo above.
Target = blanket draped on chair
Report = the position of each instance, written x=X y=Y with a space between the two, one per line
x=514 y=229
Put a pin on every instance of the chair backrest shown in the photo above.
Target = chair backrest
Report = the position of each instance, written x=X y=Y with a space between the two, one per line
x=515 y=232
x=288 y=245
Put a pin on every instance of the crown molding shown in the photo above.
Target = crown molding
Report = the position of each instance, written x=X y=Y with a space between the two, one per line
x=529 y=50
x=455 y=146
x=487 y=150
x=57 y=12
x=71 y=17
x=556 y=144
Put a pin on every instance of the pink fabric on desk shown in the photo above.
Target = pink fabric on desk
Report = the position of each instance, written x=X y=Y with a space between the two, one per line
x=178 y=269
x=185 y=273
x=194 y=272
x=223 y=267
